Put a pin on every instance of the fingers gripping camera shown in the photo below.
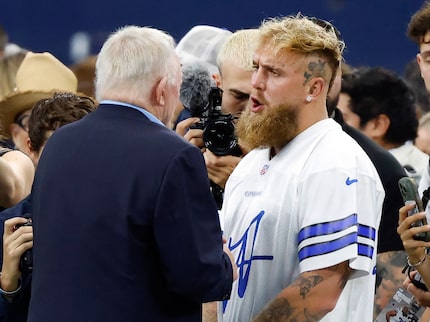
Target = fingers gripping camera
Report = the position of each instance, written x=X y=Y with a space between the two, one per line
x=26 y=261
x=218 y=128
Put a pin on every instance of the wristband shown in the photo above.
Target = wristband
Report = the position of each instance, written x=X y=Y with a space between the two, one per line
x=419 y=262
x=10 y=294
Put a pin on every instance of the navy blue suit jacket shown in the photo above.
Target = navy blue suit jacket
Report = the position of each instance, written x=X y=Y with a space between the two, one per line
x=125 y=227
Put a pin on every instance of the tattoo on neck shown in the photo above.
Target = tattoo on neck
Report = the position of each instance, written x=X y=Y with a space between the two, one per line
x=314 y=69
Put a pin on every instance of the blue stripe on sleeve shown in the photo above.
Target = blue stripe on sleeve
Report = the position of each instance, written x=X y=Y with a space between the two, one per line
x=367 y=232
x=327 y=228
x=327 y=247
x=365 y=250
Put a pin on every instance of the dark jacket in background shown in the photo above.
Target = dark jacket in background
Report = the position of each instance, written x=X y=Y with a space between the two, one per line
x=390 y=171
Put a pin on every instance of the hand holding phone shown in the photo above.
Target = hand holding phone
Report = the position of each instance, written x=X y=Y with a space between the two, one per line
x=409 y=190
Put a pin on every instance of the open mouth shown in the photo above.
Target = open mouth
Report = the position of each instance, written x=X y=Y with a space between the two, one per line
x=256 y=105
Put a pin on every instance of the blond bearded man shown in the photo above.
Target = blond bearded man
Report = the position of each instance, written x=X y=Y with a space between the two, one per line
x=302 y=209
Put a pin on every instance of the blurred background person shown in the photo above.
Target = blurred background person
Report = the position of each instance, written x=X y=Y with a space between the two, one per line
x=46 y=116
x=201 y=44
x=85 y=71
x=390 y=251
x=39 y=75
x=16 y=175
x=234 y=80
x=385 y=107
x=8 y=69
x=413 y=77
x=418 y=30
x=422 y=141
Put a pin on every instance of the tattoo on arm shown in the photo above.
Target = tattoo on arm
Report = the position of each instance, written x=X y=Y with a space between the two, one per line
x=277 y=310
x=281 y=310
x=307 y=283
x=314 y=69
x=310 y=317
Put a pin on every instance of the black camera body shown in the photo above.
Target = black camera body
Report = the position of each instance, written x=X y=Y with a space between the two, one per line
x=26 y=261
x=218 y=128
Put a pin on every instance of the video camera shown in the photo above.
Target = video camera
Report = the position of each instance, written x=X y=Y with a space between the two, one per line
x=203 y=100
x=218 y=128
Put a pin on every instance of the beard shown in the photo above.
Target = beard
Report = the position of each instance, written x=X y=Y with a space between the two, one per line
x=273 y=127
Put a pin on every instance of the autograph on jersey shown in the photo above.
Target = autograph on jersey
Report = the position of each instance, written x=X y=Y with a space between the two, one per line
x=246 y=252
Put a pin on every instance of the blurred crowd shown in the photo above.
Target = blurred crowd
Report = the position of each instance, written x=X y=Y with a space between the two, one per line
x=122 y=205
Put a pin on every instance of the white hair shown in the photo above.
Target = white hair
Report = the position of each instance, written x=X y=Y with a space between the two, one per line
x=133 y=59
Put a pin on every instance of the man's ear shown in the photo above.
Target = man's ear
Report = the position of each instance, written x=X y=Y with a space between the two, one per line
x=218 y=80
x=31 y=153
x=160 y=92
x=316 y=86
x=27 y=142
x=14 y=128
x=377 y=127
x=419 y=60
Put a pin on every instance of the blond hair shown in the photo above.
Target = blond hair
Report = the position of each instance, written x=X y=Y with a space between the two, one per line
x=304 y=36
x=239 y=47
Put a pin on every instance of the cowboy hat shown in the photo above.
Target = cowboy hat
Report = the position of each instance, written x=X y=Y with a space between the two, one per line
x=38 y=77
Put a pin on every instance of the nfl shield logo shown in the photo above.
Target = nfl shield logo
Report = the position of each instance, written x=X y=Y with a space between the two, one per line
x=264 y=169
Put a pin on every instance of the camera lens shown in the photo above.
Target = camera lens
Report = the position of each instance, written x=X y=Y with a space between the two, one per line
x=219 y=136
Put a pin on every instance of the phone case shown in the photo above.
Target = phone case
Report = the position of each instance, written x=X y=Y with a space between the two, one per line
x=409 y=190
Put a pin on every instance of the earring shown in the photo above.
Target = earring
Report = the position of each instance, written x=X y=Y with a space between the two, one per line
x=308 y=99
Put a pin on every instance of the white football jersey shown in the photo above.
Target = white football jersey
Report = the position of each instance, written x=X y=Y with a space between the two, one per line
x=315 y=204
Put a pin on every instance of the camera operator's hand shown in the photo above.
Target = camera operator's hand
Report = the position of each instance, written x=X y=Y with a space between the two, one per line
x=194 y=136
x=220 y=167
x=414 y=248
x=422 y=297
x=15 y=243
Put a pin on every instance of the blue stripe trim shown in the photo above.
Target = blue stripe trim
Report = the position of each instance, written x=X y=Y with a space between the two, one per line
x=327 y=247
x=327 y=228
x=365 y=250
x=332 y=246
x=367 y=232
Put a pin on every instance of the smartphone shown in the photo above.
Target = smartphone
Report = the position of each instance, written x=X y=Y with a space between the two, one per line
x=419 y=282
x=409 y=190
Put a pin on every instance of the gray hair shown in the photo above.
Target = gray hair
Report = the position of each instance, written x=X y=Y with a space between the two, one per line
x=133 y=59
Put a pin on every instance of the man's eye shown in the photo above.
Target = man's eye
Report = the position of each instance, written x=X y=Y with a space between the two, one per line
x=241 y=97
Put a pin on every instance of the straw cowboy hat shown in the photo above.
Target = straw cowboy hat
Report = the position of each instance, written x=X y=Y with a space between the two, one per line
x=39 y=76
